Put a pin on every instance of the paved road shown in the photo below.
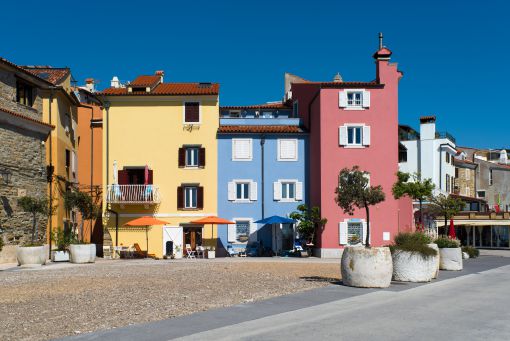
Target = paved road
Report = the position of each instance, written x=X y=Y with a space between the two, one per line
x=468 y=305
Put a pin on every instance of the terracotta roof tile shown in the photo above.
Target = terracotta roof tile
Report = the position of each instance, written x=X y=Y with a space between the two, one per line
x=171 y=89
x=48 y=73
x=278 y=105
x=12 y=113
x=342 y=85
x=260 y=129
x=146 y=81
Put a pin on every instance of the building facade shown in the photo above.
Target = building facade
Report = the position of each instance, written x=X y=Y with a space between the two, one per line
x=263 y=163
x=160 y=160
x=23 y=135
x=353 y=123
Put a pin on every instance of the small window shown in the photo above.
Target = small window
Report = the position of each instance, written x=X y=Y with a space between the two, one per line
x=234 y=113
x=190 y=197
x=354 y=98
x=287 y=150
x=402 y=153
x=24 y=94
x=354 y=232
x=288 y=190
x=295 y=109
x=68 y=159
x=241 y=149
x=192 y=157
x=191 y=112
x=480 y=194
x=242 y=191
x=242 y=231
x=354 y=136
x=447 y=183
x=491 y=179
x=447 y=155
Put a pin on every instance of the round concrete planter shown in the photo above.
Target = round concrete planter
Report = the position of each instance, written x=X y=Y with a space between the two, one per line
x=366 y=267
x=413 y=267
x=59 y=256
x=31 y=255
x=450 y=258
x=435 y=271
x=82 y=253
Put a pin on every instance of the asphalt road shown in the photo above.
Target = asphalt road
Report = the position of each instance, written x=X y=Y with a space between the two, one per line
x=473 y=304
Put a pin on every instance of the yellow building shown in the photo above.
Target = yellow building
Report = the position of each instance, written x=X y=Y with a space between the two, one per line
x=160 y=160
x=59 y=108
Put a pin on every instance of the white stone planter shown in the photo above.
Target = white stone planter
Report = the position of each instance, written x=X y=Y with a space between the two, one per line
x=60 y=256
x=211 y=254
x=450 y=258
x=32 y=255
x=465 y=255
x=412 y=267
x=366 y=267
x=435 y=270
x=82 y=253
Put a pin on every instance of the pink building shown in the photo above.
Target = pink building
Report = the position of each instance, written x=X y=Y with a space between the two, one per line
x=353 y=123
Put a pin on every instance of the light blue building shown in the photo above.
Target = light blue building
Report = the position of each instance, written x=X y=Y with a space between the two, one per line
x=262 y=171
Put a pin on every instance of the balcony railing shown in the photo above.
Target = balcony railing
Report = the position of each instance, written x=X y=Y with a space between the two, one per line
x=133 y=194
x=445 y=135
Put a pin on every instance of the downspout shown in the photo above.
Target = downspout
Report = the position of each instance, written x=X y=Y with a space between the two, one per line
x=50 y=176
x=116 y=225
x=262 y=142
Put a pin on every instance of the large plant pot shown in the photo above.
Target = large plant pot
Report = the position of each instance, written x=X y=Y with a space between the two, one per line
x=60 y=256
x=413 y=267
x=366 y=267
x=32 y=255
x=435 y=271
x=450 y=258
x=211 y=254
x=82 y=253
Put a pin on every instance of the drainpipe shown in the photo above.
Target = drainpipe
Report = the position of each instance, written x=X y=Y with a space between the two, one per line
x=116 y=225
x=50 y=177
x=262 y=142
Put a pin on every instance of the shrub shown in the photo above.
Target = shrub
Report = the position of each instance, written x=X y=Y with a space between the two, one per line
x=415 y=243
x=62 y=239
x=446 y=242
x=471 y=251
x=32 y=244
x=1 y=242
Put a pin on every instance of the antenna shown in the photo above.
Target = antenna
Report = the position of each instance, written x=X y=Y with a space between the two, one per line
x=380 y=40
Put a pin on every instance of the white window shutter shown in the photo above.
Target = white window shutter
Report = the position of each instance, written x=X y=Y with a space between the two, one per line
x=366 y=99
x=231 y=191
x=342 y=233
x=277 y=190
x=364 y=236
x=241 y=149
x=366 y=135
x=231 y=233
x=342 y=99
x=342 y=135
x=299 y=191
x=73 y=162
x=253 y=228
x=253 y=191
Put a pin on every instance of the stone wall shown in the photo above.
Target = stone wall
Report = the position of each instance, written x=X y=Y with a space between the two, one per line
x=465 y=181
x=8 y=97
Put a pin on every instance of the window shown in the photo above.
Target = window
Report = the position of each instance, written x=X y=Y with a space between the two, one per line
x=24 y=94
x=354 y=98
x=242 y=149
x=480 y=194
x=192 y=157
x=288 y=190
x=447 y=156
x=354 y=135
x=468 y=174
x=295 y=109
x=235 y=113
x=447 y=183
x=402 y=153
x=354 y=232
x=287 y=150
x=191 y=112
x=243 y=191
x=491 y=179
x=242 y=231
x=190 y=197
x=68 y=159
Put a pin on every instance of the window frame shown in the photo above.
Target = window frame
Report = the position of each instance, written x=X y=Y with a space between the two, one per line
x=354 y=128
x=233 y=113
x=279 y=151
x=245 y=192
x=287 y=184
x=248 y=222
x=190 y=188
x=353 y=93
x=234 y=156
x=197 y=155
x=350 y=234
x=28 y=93
x=184 y=112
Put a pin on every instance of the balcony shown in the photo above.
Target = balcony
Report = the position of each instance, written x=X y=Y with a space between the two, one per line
x=133 y=194
x=445 y=135
x=283 y=121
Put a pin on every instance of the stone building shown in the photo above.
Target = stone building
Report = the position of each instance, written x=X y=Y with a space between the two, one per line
x=465 y=177
x=23 y=134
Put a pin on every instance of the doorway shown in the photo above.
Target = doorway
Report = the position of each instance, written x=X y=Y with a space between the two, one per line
x=192 y=235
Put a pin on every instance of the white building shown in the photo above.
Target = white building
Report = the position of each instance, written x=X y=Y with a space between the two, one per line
x=428 y=153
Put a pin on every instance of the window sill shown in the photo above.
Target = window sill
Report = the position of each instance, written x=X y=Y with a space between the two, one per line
x=288 y=200
x=192 y=167
x=288 y=160
x=354 y=108
x=354 y=146
x=242 y=160
x=242 y=201
x=190 y=209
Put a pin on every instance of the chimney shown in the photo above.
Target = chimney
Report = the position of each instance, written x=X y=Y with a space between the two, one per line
x=115 y=83
x=160 y=73
x=337 y=78
x=90 y=84
x=427 y=127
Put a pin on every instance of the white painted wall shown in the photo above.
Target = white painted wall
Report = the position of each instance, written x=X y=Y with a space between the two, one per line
x=173 y=233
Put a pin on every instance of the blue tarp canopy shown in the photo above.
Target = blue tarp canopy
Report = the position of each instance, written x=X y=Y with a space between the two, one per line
x=275 y=220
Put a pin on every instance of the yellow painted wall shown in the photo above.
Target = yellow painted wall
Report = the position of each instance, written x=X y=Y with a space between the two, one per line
x=150 y=130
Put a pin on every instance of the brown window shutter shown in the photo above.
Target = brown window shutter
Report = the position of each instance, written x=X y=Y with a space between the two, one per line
x=201 y=157
x=180 y=198
x=182 y=157
x=192 y=112
x=200 y=197
x=123 y=177
x=150 y=180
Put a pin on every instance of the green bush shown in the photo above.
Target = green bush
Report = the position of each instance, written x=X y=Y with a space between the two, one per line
x=1 y=242
x=32 y=244
x=415 y=243
x=471 y=251
x=446 y=242
x=62 y=239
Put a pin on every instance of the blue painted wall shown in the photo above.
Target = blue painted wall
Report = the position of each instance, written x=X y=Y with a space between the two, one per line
x=275 y=170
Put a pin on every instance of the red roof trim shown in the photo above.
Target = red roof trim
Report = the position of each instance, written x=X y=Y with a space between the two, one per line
x=12 y=113
x=167 y=89
x=260 y=129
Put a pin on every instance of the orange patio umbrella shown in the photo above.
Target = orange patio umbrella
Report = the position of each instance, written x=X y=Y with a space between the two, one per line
x=212 y=220
x=146 y=221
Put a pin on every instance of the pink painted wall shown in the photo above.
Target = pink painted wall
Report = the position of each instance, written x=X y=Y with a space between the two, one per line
x=380 y=159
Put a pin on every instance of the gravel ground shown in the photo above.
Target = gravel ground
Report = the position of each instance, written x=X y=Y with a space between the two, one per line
x=68 y=300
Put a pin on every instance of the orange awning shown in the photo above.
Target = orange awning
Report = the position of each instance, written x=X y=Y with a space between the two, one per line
x=212 y=220
x=145 y=221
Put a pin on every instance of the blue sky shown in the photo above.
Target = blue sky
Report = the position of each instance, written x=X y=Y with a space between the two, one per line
x=454 y=53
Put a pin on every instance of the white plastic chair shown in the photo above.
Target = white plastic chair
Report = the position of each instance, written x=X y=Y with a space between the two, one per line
x=189 y=252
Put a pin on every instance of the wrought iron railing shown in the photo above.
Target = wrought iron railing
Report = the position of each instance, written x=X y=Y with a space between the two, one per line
x=133 y=194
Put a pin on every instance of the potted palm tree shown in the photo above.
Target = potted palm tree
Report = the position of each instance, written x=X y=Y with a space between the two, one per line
x=366 y=267
x=62 y=239
x=308 y=221
x=33 y=252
